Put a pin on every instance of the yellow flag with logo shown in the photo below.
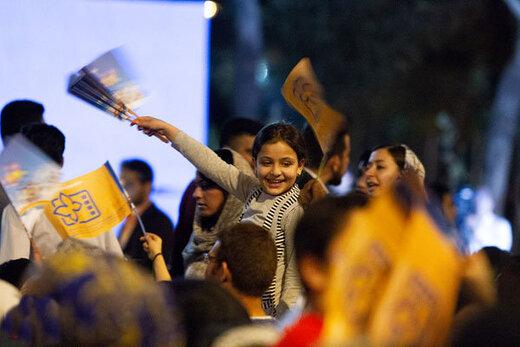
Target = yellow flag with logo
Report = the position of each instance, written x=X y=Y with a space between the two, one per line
x=362 y=258
x=89 y=205
x=419 y=301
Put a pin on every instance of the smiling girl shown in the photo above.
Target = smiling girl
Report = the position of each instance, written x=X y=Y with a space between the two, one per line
x=271 y=198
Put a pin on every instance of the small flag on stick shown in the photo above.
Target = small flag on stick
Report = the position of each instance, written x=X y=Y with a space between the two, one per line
x=89 y=205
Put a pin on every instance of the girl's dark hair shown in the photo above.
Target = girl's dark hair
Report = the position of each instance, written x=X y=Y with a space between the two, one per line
x=398 y=152
x=280 y=132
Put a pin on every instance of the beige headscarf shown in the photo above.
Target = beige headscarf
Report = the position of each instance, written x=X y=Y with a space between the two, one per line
x=412 y=162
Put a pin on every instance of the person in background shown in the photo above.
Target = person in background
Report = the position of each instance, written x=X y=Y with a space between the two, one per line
x=387 y=164
x=137 y=178
x=243 y=261
x=216 y=211
x=17 y=114
x=237 y=134
x=336 y=164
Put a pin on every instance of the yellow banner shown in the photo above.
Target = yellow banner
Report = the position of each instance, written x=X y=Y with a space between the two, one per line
x=304 y=93
x=362 y=259
x=89 y=205
x=419 y=301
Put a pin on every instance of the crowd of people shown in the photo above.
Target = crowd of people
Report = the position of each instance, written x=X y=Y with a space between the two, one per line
x=251 y=258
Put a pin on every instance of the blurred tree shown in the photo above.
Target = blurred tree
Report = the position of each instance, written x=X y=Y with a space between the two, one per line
x=502 y=129
x=392 y=67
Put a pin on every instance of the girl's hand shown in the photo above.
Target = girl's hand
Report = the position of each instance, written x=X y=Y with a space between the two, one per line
x=155 y=127
x=152 y=244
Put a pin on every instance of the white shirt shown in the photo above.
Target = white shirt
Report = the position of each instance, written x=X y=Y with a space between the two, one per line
x=15 y=244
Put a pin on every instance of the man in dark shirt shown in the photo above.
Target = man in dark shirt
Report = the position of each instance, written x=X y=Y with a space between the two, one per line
x=136 y=177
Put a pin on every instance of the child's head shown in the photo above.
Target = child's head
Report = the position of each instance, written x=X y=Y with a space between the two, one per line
x=279 y=157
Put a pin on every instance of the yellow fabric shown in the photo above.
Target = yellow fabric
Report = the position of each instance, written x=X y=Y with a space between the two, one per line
x=361 y=261
x=303 y=92
x=395 y=279
x=420 y=298
x=88 y=206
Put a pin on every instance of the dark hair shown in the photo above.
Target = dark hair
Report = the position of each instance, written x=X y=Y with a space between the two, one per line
x=47 y=138
x=250 y=254
x=321 y=222
x=142 y=168
x=236 y=127
x=273 y=133
x=13 y=271
x=19 y=113
x=207 y=310
x=314 y=152
x=363 y=161
x=438 y=190
x=398 y=152
x=488 y=326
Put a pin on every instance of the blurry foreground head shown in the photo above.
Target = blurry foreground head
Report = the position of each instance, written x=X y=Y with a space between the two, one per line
x=207 y=310
x=84 y=298
x=48 y=139
x=322 y=222
x=387 y=165
x=17 y=114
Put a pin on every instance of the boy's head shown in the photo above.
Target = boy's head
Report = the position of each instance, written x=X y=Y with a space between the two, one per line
x=320 y=225
x=48 y=139
x=137 y=177
x=17 y=114
x=243 y=259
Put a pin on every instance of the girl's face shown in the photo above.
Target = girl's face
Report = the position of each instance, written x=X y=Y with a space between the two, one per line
x=277 y=167
x=381 y=172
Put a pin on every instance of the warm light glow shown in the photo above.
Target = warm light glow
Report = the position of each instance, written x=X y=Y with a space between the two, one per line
x=210 y=9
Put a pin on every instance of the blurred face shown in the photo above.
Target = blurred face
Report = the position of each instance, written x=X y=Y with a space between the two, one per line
x=277 y=167
x=243 y=145
x=381 y=173
x=341 y=167
x=209 y=197
x=138 y=191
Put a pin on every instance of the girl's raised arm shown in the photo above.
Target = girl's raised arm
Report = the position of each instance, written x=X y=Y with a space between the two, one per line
x=204 y=159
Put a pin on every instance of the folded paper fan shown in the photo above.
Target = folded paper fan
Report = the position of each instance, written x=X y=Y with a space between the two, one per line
x=107 y=84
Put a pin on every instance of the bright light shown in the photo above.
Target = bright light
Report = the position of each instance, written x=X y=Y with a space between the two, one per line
x=262 y=72
x=210 y=9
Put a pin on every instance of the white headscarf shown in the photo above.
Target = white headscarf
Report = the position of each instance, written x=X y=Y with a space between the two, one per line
x=412 y=162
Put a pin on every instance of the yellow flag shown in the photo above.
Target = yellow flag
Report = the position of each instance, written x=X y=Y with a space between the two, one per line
x=304 y=93
x=362 y=259
x=89 y=205
x=419 y=301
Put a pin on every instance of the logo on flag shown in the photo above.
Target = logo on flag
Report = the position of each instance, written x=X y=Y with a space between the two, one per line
x=75 y=208
x=88 y=205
